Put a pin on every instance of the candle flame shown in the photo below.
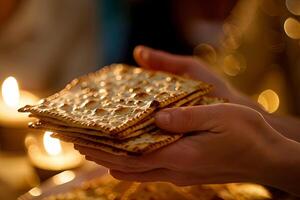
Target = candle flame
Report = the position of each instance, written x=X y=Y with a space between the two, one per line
x=10 y=92
x=51 y=145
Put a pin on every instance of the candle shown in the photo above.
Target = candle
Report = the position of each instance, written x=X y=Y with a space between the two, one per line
x=11 y=99
x=49 y=153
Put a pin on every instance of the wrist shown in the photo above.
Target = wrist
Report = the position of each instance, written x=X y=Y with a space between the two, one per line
x=280 y=165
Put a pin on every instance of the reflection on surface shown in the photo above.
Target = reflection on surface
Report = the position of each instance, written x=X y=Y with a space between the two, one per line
x=64 y=177
x=35 y=191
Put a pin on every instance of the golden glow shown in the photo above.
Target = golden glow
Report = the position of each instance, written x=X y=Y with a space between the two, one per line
x=64 y=177
x=35 y=192
x=293 y=6
x=52 y=145
x=269 y=100
x=206 y=52
x=10 y=92
x=233 y=65
x=249 y=190
x=292 y=28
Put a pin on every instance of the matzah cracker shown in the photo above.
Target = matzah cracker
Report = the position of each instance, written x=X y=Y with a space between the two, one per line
x=115 y=98
x=92 y=145
x=130 y=132
x=143 y=143
x=41 y=125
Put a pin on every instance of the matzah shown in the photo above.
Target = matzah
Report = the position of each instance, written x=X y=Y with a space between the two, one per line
x=144 y=143
x=147 y=141
x=144 y=126
x=115 y=98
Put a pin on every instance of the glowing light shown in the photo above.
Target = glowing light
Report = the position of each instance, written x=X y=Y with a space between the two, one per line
x=292 y=28
x=64 y=177
x=206 y=52
x=52 y=145
x=233 y=65
x=293 y=6
x=10 y=92
x=35 y=192
x=269 y=100
x=231 y=39
x=250 y=190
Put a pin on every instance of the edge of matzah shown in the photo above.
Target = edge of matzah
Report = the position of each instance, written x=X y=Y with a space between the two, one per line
x=93 y=125
x=90 y=144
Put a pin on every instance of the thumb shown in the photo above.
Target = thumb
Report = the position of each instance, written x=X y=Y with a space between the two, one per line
x=188 y=119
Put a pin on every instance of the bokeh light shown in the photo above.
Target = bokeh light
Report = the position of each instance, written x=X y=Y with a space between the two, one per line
x=269 y=100
x=233 y=64
x=231 y=38
x=292 y=28
x=206 y=52
x=293 y=6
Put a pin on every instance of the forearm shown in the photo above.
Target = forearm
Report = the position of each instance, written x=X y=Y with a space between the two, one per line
x=282 y=169
x=288 y=126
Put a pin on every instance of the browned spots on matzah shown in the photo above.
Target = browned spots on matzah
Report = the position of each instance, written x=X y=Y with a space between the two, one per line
x=107 y=100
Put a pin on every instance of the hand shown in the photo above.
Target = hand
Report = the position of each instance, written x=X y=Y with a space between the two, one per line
x=187 y=65
x=230 y=143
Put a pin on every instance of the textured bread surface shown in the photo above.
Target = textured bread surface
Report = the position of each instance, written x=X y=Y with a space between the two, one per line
x=115 y=98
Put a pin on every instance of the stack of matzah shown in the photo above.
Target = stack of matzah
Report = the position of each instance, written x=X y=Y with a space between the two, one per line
x=113 y=109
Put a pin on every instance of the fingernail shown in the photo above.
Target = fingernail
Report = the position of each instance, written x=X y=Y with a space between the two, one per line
x=163 y=117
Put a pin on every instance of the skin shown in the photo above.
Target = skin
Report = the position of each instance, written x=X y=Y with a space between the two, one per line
x=7 y=7
x=232 y=142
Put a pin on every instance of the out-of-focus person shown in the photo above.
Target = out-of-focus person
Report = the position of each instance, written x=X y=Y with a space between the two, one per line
x=45 y=44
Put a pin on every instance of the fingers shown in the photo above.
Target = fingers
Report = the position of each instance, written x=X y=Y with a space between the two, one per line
x=126 y=161
x=159 y=60
x=197 y=118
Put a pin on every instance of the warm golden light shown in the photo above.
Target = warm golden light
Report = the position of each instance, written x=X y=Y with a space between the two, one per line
x=206 y=52
x=233 y=64
x=51 y=145
x=244 y=191
x=35 y=192
x=64 y=177
x=10 y=92
x=269 y=100
x=293 y=6
x=292 y=28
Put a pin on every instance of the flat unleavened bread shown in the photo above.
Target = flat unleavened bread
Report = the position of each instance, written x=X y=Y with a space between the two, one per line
x=139 y=145
x=146 y=142
x=92 y=145
x=144 y=126
x=115 y=98
x=46 y=126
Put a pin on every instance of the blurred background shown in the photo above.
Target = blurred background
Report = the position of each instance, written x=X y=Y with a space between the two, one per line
x=45 y=44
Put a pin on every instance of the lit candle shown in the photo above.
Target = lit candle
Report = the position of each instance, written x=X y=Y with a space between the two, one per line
x=11 y=99
x=49 y=153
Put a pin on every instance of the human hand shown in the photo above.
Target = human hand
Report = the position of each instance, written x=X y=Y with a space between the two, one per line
x=230 y=143
x=187 y=65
